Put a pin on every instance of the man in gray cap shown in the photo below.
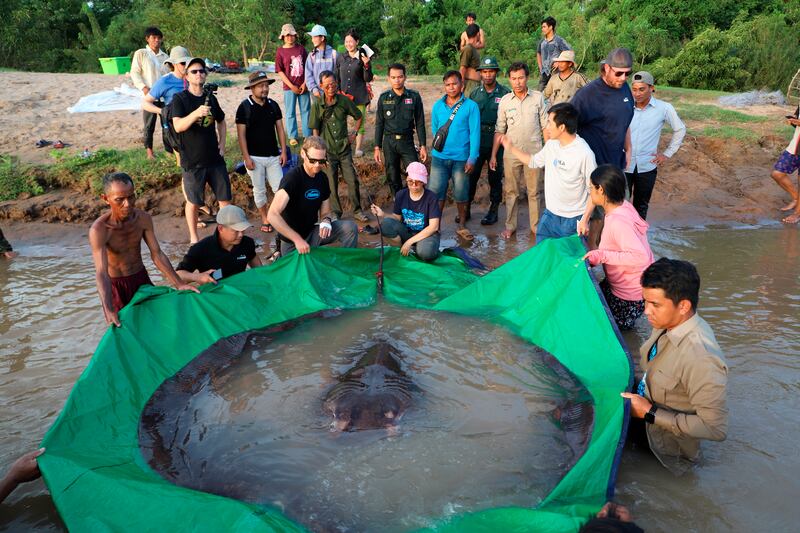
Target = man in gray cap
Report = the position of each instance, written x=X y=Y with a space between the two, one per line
x=488 y=96
x=322 y=57
x=649 y=116
x=605 y=108
x=159 y=97
x=225 y=253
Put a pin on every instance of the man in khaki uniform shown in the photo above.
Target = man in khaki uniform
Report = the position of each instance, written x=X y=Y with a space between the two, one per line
x=521 y=115
x=681 y=397
x=566 y=81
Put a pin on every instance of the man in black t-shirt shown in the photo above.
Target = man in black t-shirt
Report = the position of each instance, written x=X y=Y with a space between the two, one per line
x=225 y=253
x=202 y=145
x=259 y=126
x=304 y=199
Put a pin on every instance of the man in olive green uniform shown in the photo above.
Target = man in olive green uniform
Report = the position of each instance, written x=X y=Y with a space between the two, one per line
x=488 y=96
x=329 y=121
x=398 y=114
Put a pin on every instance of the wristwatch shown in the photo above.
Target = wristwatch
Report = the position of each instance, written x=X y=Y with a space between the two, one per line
x=650 y=416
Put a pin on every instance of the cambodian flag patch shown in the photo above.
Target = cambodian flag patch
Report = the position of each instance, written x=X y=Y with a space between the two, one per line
x=408 y=101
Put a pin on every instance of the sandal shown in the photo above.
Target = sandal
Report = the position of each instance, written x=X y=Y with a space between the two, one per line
x=207 y=210
x=41 y=143
x=465 y=234
x=274 y=257
x=58 y=144
x=201 y=224
x=267 y=228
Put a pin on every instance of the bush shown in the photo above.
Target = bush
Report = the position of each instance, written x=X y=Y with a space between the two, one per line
x=14 y=180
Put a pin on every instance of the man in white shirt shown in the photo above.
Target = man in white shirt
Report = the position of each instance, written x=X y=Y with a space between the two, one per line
x=649 y=116
x=568 y=162
x=147 y=66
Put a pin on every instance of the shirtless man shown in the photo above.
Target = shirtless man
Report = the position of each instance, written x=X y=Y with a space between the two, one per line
x=116 y=238
x=480 y=42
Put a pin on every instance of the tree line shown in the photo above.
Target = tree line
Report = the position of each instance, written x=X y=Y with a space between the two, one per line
x=721 y=44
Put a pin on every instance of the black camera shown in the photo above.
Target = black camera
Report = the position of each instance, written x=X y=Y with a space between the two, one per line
x=210 y=88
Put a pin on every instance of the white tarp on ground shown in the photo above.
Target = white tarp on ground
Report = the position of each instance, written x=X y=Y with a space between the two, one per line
x=122 y=98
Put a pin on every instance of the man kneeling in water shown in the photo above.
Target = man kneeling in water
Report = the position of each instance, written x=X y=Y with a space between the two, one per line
x=116 y=240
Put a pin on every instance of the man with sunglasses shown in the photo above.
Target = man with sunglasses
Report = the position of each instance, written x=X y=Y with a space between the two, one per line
x=605 y=108
x=200 y=126
x=301 y=209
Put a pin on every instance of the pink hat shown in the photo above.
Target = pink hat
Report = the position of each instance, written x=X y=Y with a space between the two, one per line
x=417 y=171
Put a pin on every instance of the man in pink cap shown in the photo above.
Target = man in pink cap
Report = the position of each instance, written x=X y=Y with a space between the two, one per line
x=415 y=217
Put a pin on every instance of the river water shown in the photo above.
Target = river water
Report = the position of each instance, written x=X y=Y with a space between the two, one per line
x=50 y=323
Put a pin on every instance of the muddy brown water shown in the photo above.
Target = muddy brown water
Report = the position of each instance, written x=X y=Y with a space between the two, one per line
x=50 y=324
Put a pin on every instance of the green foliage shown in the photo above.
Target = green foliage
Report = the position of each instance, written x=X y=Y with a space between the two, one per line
x=709 y=61
x=728 y=133
x=721 y=44
x=15 y=180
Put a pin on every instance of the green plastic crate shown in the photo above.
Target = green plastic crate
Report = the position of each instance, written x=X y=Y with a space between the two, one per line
x=115 y=65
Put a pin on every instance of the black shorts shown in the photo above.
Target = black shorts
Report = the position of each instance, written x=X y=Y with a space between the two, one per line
x=194 y=183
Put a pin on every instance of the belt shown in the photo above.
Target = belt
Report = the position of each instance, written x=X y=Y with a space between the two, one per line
x=394 y=136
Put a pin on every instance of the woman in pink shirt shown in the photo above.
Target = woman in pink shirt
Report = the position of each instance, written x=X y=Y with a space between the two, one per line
x=623 y=251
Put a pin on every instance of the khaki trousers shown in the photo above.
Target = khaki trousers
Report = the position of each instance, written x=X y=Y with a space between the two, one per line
x=517 y=173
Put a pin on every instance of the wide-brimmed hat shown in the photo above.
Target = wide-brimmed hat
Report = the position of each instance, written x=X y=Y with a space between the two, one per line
x=233 y=217
x=489 y=63
x=287 y=29
x=643 y=77
x=318 y=31
x=258 y=77
x=417 y=171
x=566 y=55
x=178 y=54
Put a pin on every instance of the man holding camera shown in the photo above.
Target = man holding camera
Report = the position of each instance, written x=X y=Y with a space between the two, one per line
x=225 y=253
x=200 y=124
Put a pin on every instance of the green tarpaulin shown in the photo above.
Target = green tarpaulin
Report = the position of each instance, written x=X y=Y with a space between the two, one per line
x=99 y=480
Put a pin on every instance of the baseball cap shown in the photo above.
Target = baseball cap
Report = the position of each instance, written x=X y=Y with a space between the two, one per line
x=318 y=31
x=618 y=58
x=644 y=77
x=417 y=171
x=233 y=217
x=196 y=60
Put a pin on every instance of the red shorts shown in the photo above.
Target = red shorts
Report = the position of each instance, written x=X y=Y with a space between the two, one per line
x=123 y=288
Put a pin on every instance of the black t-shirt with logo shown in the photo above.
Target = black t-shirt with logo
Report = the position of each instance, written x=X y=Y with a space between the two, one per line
x=262 y=140
x=199 y=145
x=207 y=254
x=306 y=195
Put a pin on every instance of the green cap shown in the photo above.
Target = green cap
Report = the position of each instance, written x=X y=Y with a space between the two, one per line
x=489 y=62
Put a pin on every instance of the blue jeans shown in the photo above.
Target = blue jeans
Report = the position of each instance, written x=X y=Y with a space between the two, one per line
x=552 y=226
x=342 y=231
x=303 y=100
x=442 y=171
x=427 y=249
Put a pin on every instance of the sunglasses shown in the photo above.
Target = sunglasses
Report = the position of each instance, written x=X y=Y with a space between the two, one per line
x=316 y=161
x=620 y=73
x=198 y=71
x=414 y=182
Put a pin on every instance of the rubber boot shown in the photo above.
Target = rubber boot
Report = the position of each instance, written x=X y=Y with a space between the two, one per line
x=491 y=216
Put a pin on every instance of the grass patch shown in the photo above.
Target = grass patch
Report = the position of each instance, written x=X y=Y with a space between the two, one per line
x=676 y=93
x=727 y=133
x=16 y=179
x=705 y=112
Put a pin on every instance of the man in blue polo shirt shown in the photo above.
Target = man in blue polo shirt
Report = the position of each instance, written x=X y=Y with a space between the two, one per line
x=456 y=159
x=225 y=253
